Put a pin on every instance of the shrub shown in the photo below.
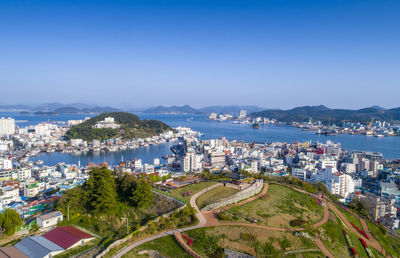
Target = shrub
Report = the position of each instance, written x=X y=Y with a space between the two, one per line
x=285 y=243
x=223 y=216
x=297 y=222
x=247 y=236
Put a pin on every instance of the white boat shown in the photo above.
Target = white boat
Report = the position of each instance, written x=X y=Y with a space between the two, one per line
x=379 y=135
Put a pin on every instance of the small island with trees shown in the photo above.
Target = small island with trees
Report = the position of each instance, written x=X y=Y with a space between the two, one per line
x=129 y=126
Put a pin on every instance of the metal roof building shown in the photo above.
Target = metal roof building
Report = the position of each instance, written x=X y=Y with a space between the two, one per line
x=38 y=247
x=67 y=236
x=11 y=251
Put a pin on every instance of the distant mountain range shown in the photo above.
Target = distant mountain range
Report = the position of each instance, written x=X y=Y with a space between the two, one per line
x=58 y=108
x=325 y=114
x=230 y=109
x=186 y=109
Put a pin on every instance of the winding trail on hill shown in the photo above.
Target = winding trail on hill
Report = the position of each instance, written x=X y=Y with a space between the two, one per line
x=200 y=217
x=210 y=219
x=371 y=242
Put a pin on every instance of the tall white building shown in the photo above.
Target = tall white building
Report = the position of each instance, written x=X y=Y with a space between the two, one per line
x=348 y=168
x=299 y=173
x=191 y=162
x=5 y=163
x=337 y=183
x=24 y=173
x=108 y=122
x=242 y=114
x=213 y=116
x=217 y=159
x=328 y=162
x=341 y=184
x=7 y=126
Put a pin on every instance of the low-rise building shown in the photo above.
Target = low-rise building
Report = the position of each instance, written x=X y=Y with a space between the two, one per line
x=49 y=219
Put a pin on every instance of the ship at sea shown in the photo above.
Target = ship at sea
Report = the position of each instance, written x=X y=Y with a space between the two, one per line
x=256 y=125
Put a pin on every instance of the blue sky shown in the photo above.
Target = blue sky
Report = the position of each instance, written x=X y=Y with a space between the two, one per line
x=276 y=54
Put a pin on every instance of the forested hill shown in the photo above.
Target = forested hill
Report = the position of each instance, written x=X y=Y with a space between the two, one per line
x=324 y=114
x=130 y=127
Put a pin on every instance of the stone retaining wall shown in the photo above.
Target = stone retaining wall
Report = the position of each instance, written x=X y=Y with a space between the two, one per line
x=250 y=191
x=126 y=238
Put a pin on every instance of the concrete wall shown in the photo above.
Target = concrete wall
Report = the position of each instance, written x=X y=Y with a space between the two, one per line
x=250 y=191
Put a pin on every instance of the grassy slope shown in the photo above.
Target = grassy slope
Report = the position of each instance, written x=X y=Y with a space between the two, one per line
x=195 y=188
x=232 y=238
x=215 y=194
x=389 y=243
x=166 y=246
x=282 y=205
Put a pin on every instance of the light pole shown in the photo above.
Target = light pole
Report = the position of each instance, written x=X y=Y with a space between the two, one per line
x=127 y=229
x=68 y=211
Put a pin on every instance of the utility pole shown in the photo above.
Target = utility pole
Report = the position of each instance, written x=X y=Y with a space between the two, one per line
x=68 y=212
x=127 y=225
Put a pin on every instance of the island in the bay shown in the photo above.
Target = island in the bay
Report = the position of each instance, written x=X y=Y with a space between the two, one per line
x=116 y=124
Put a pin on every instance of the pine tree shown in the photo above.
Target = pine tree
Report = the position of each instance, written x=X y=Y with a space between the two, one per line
x=101 y=191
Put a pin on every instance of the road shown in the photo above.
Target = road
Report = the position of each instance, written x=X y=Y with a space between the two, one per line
x=200 y=217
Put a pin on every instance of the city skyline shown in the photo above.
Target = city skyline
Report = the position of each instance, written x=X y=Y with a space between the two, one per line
x=342 y=54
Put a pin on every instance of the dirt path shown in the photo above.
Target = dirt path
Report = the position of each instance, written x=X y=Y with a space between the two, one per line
x=210 y=218
x=179 y=238
x=325 y=217
x=366 y=229
x=321 y=246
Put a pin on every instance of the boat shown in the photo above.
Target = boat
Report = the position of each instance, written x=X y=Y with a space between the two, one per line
x=38 y=162
x=256 y=126
x=379 y=135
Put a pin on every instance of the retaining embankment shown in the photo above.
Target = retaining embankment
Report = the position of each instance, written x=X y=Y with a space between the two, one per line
x=250 y=191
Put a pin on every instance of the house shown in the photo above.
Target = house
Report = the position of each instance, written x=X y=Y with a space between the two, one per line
x=49 y=219
x=31 y=190
x=68 y=237
x=38 y=247
x=11 y=251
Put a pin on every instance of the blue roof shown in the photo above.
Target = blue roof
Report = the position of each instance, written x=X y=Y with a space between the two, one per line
x=37 y=246
x=47 y=243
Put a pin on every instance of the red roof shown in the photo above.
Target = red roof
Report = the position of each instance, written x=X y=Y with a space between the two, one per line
x=76 y=232
x=66 y=236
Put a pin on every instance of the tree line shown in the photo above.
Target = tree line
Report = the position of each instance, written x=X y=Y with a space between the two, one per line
x=107 y=194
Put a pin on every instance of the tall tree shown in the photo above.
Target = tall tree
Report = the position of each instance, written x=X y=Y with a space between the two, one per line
x=142 y=195
x=11 y=219
x=101 y=191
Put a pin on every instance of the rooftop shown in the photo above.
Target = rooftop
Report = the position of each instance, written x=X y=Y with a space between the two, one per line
x=50 y=215
x=66 y=236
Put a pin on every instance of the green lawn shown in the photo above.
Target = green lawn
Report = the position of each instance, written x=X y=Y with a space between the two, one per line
x=350 y=217
x=195 y=188
x=389 y=243
x=249 y=240
x=278 y=208
x=166 y=246
x=215 y=194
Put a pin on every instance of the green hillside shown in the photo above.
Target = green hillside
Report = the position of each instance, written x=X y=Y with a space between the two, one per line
x=130 y=127
x=324 y=114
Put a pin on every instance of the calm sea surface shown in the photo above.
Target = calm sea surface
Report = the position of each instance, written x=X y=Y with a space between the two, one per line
x=388 y=146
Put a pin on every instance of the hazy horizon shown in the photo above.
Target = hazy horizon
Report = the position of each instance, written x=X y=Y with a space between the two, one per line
x=138 y=54
x=141 y=108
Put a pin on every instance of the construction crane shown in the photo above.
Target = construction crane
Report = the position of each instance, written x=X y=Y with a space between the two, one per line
x=370 y=124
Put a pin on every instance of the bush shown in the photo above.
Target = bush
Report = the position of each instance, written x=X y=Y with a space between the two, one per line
x=297 y=222
x=223 y=216
x=247 y=237
x=382 y=228
x=285 y=243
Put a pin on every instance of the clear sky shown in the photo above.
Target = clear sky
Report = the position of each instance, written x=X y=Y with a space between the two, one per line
x=276 y=54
